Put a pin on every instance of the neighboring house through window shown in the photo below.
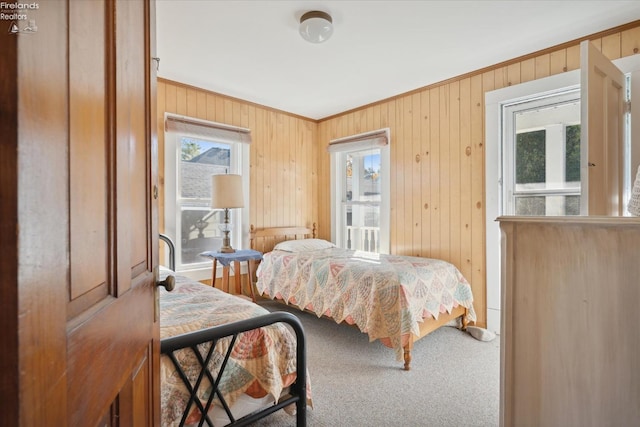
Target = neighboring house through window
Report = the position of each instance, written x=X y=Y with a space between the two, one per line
x=360 y=187
x=195 y=150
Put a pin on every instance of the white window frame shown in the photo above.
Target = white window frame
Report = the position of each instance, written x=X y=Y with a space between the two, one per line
x=509 y=109
x=338 y=150
x=172 y=205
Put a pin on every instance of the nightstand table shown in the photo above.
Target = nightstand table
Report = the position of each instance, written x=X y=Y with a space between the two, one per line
x=249 y=255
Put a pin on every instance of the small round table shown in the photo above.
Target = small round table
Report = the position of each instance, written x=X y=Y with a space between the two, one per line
x=251 y=256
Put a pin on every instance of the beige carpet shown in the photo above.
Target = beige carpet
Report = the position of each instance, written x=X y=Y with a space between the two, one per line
x=454 y=380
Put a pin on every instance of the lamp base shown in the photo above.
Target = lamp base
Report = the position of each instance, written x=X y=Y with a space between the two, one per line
x=227 y=250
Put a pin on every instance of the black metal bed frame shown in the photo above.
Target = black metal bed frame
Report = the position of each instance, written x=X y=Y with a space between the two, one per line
x=297 y=391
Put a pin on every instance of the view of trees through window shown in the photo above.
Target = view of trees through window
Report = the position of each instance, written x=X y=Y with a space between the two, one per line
x=534 y=189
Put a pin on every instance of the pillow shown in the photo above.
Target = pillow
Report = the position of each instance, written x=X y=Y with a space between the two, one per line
x=302 y=245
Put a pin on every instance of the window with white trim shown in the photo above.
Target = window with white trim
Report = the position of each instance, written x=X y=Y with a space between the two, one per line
x=542 y=155
x=195 y=150
x=360 y=191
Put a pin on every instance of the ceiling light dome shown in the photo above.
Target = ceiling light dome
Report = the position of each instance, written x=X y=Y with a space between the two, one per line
x=316 y=26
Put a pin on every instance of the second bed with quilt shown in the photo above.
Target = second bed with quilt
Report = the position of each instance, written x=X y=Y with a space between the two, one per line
x=394 y=299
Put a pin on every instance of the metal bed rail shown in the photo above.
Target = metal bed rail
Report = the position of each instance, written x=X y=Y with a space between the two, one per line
x=297 y=391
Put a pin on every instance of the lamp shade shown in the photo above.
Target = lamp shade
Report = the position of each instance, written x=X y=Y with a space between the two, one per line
x=226 y=191
x=634 y=202
x=316 y=26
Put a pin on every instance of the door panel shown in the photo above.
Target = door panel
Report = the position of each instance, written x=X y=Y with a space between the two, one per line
x=602 y=85
x=81 y=176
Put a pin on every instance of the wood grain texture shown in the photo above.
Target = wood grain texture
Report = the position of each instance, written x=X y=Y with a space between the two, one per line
x=441 y=214
x=283 y=154
x=455 y=120
x=9 y=360
x=43 y=228
x=569 y=348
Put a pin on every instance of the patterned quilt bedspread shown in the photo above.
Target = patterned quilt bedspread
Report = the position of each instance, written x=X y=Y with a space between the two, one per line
x=386 y=296
x=263 y=361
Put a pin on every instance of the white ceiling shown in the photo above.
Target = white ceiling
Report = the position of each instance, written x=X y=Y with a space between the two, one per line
x=252 y=50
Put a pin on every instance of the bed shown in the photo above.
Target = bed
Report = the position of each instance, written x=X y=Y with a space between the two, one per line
x=394 y=299
x=256 y=359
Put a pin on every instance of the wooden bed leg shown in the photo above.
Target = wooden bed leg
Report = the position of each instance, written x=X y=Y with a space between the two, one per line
x=407 y=353
x=465 y=321
x=407 y=358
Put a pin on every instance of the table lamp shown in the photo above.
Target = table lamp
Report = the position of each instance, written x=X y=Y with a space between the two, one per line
x=226 y=193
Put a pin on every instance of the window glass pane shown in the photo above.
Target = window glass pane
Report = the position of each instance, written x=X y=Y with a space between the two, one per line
x=361 y=202
x=543 y=155
x=572 y=157
x=200 y=233
x=572 y=205
x=198 y=161
x=552 y=205
x=530 y=157
x=530 y=205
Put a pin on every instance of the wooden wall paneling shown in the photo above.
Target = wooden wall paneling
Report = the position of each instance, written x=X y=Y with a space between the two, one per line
x=269 y=163
x=434 y=171
x=543 y=67
x=324 y=199
x=384 y=115
x=611 y=46
x=445 y=173
x=406 y=188
x=558 y=61
x=630 y=42
x=181 y=101
x=416 y=178
x=478 y=220
x=192 y=103
x=289 y=172
x=573 y=57
x=282 y=136
x=501 y=76
x=317 y=151
x=527 y=71
x=360 y=121
x=219 y=110
x=211 y=107
x=513 y=74
x=425 y=181
x=376 y=122
x=291 y=165
x=300 y=151
x=253 y=194
x=397 y=181
x=258 y=173
x=201 y=105
x=395 y=141
x=466 y=248
x=455 y=154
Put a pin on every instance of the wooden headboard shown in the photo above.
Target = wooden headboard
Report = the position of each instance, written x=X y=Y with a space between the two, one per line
x=264 y=239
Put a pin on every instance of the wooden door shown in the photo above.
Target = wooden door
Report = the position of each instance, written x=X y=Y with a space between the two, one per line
x=601 y=143
x=80 y=202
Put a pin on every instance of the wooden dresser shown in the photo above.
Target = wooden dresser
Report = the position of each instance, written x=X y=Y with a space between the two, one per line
x=570 y=343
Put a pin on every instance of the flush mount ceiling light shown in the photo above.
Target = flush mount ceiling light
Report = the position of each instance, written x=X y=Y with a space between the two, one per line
x=316 y=26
